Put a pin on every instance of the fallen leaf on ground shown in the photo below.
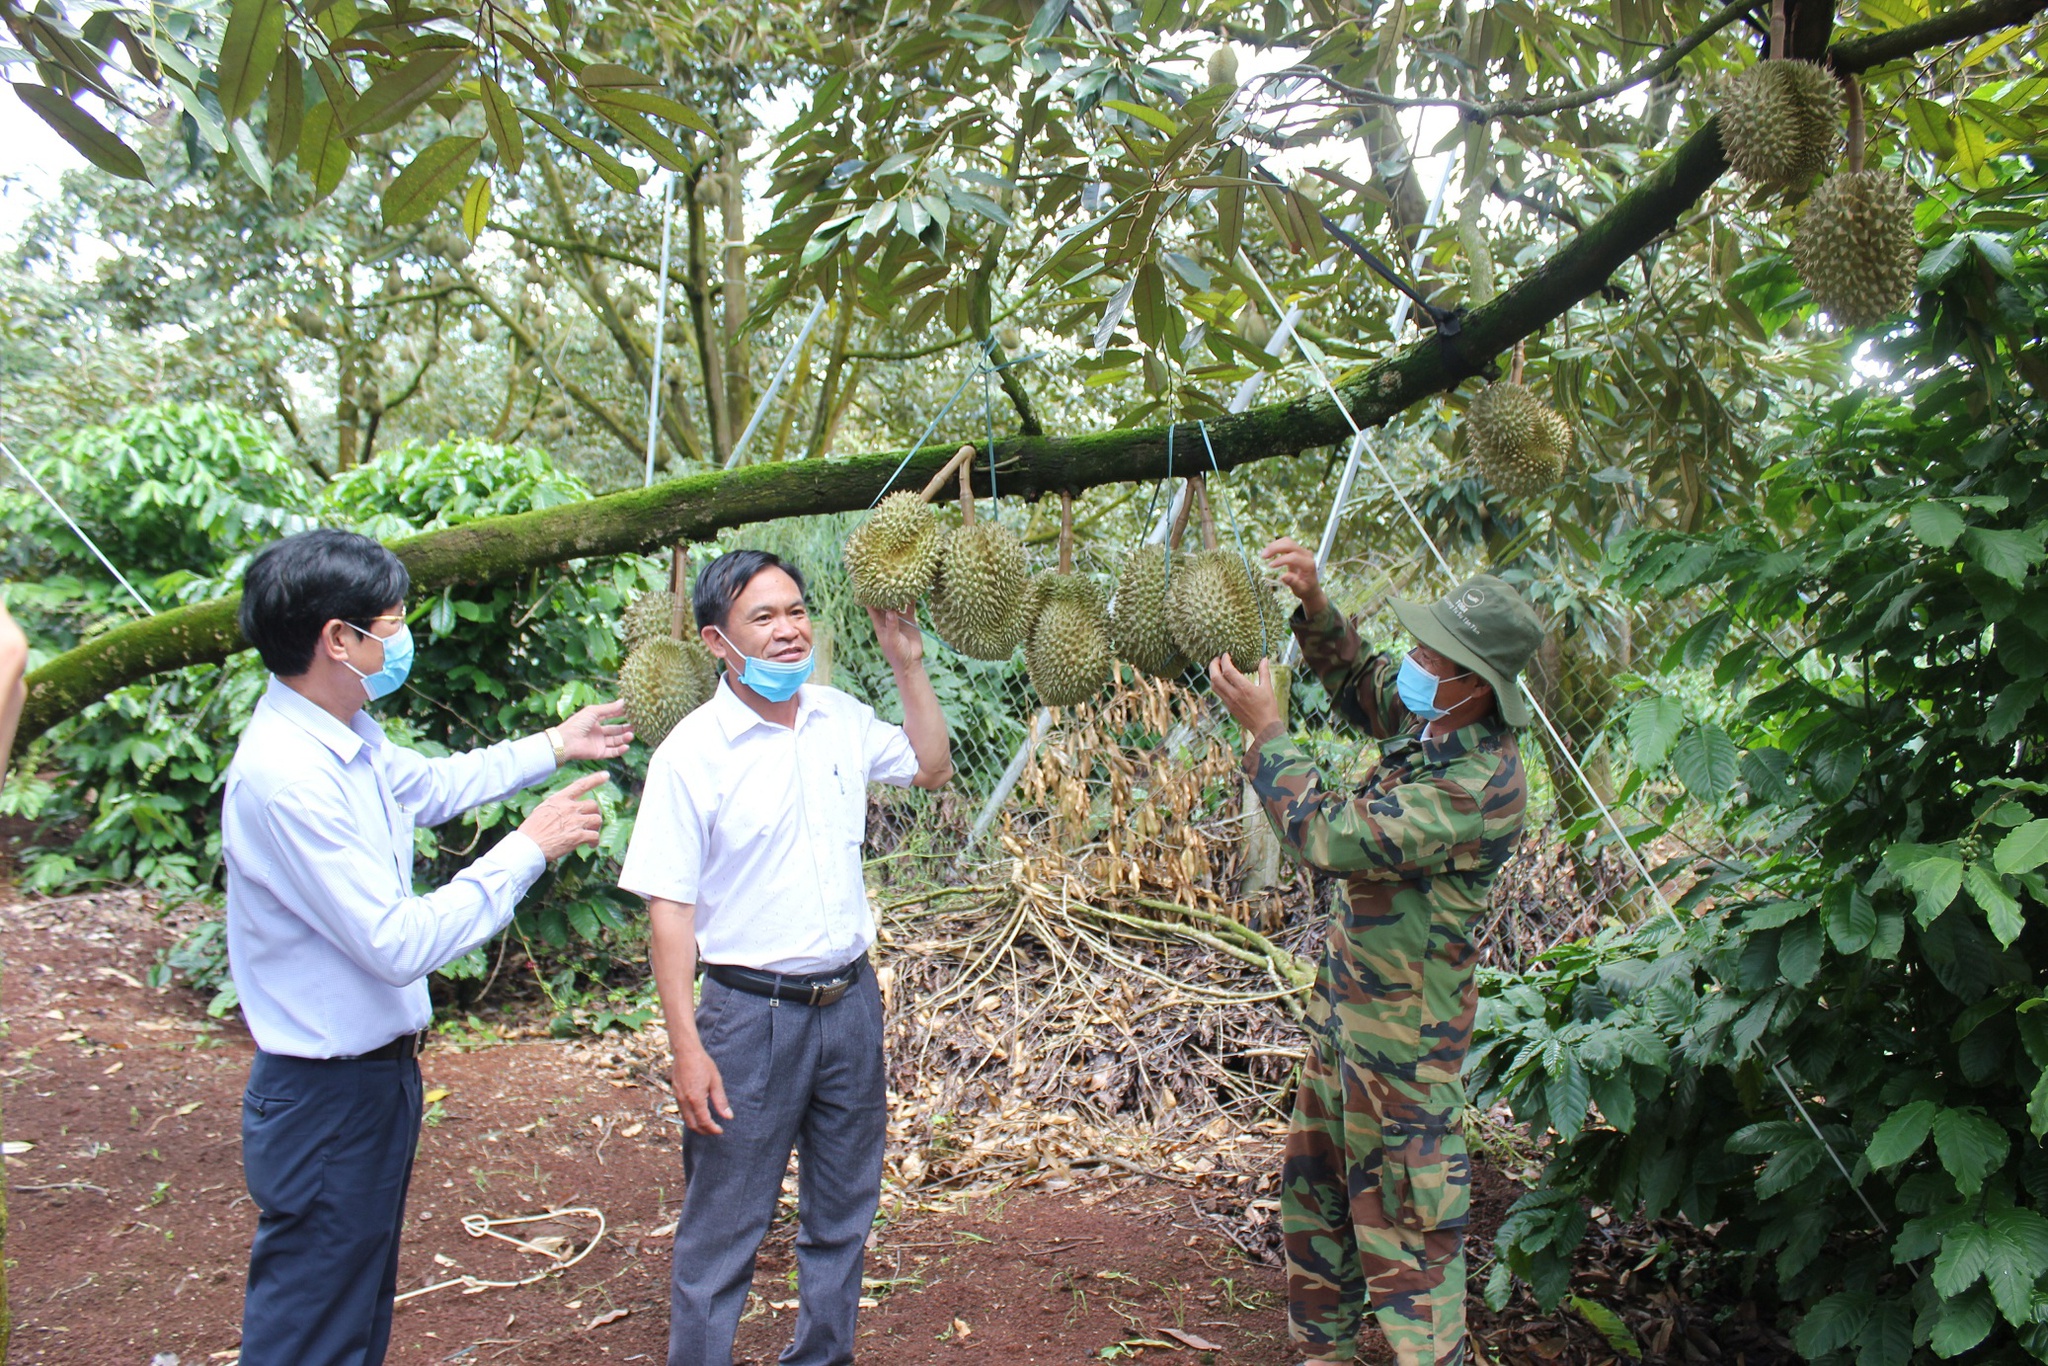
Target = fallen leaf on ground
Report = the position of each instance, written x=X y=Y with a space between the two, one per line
x=189 y=1106
x=961 y=1330
x=117 y=975
x=608 y=1316
x=1195 y=1341
x=438 y=1093
x=15 y=1147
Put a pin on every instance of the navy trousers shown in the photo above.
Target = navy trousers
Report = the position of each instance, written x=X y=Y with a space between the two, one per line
x=804 y=1077
x=327 y=1149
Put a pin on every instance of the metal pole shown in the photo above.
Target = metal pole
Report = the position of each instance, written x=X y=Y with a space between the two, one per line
x=775 y=385
x=668 y=220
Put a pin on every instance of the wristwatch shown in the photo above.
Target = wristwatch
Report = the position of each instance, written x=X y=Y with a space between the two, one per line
x=561 y=746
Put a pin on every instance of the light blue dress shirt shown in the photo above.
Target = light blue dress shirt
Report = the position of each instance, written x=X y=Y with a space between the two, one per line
x=328 y=945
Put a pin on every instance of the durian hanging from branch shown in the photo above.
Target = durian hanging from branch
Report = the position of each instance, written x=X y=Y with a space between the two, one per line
x=1215 y=607
x=892 y=556
x=1518 y=441
x=1854 y=246
x=668 y=672
x=1781 y=120
x=1067 y=652
x=980 y=603
x=1138 y=627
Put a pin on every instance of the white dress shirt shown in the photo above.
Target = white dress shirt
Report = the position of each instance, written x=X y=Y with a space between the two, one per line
x=759 y=827
x=328 y=945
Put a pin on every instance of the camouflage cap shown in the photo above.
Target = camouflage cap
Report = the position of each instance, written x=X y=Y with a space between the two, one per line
x=1484 y=625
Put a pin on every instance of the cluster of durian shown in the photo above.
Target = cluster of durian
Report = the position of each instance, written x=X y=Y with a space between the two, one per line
x=663 y=679
x=1518 y=440
x=1174 y=610
x=1781 y=123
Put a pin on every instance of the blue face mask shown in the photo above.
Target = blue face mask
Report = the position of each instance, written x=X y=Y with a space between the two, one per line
x=1417 y=687
x=397 y=662
x=774 y=681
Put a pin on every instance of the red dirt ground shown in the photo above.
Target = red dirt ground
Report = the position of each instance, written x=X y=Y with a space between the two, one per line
x=130 y=1225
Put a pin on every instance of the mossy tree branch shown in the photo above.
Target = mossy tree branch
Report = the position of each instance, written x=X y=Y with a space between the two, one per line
x=697 y=507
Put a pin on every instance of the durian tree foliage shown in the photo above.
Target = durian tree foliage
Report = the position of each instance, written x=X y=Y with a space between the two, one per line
x=1097 y=184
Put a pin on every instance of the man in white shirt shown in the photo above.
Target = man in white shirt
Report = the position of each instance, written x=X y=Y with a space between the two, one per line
x=330 y=947
x=748 y=850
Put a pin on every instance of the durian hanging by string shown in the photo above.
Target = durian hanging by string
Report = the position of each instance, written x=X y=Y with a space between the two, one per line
x=1215 y=607
x=892 y=556
x=981 y=597
x=1138 y=629
x=1781 y=120
x=1067 y=652
x=667 y=674
x=1518 y=442
x=1854 y=246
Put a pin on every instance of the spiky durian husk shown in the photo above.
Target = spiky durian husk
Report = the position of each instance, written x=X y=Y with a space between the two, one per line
x=1518 y=442
x=892 y=556
x=981 y=597
x=646 y=617
x=1214 y=607
x=1067 y=652
x=663 y=681
x=1781 y=123
x=1138 y=629
x=1855 y=247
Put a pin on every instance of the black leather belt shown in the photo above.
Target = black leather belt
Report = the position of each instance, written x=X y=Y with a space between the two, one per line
x=404 y=1046
x=806 y=989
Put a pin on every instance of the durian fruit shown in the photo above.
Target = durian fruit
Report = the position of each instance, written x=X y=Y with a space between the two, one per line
x=1214 y=607
x=892 y=556
x=1518 y=442
x=1781 y=123
x=1068 y=653
x=1138 y=629
x=980 y=603
x=1855 y=247
x=664 y=680
x=647 y=617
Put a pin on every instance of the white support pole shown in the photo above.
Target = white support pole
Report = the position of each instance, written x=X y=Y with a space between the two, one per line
x=739 y=447
x=668 y=220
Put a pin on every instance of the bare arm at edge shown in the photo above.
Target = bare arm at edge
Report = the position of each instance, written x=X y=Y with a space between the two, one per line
x=672 y=953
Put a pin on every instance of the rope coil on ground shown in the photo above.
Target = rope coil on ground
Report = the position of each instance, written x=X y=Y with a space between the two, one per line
x=478 y=1226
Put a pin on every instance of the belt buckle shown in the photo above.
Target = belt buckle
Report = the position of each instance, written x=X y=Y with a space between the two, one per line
x=817 y=994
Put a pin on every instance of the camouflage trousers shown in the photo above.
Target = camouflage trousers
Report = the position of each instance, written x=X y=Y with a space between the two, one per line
x=1376 y=1191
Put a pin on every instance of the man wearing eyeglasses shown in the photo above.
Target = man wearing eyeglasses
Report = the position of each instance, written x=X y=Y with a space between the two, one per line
x=329 y=944
x=1377 y=1184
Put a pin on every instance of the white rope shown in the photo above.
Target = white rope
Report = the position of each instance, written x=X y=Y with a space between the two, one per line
x=1557 y=740
x=477 y=1226
x=775 y=384
x=668 y=221
x=76 y=529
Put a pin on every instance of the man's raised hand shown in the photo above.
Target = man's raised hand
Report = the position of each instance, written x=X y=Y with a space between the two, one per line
x=587 y=734
x=1297 y=566
x=567 y=819
x=1249 y=698
x=899 y=635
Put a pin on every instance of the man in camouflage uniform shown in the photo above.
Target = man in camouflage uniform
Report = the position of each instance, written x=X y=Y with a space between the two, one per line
x=1377 y=1184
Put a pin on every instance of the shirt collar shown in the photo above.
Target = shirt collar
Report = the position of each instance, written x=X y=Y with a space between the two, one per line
x=1452 y=744
x=736 y=718
x=346 y=741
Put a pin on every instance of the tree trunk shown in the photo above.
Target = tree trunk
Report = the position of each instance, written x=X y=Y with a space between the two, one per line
x=698 y=288
x=732 y=214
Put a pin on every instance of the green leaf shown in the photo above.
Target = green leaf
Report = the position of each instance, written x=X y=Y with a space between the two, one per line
x=88 y=137
x=1961 y=1324
x=1832 y=1324
x=287 y=108
x=2001 y=909
x=1934 y=875
x=1799 y=951
x=1652 y=725
x=642 y=134
x=609 y=168
x=661 y=106
x=323 y=151
x=476 y=207
x=2005 y=554
x=1850 y=919
x=2019 y=1254
x=1970 y=1146
x=1965 y=1254
x=1928 y=124
x=1153 y=117
x=1608 y=1325
x=503 y=122
x=1708 y=763
x=560 y=15
x=2024 y=850
x=1936 y=523
x=431 y=175
x=248 y=50
x=1901 y=1134
x=397 y=93
x=2037 y=1107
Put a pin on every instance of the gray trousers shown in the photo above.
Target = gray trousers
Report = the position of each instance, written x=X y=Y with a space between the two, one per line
x=804 y=1077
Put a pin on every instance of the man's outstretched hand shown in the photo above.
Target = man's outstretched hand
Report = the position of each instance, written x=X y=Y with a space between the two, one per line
x=567 y=820
x=1297 y=566
x=1250 y=699
x=899 y=635
x=590 y=735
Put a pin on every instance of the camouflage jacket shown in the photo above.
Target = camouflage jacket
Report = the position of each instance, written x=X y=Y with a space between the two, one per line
x=1418 y=843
